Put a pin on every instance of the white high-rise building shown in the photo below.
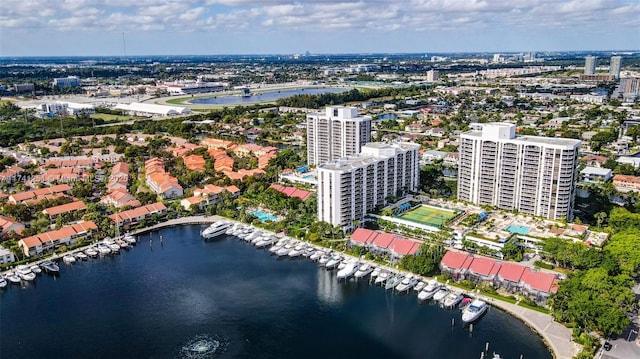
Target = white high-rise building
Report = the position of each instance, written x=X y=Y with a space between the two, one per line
x=533 y=175
x=433 y=75
x=590 y=65
x=614 y=66
x=352 y=186
x=336 y=133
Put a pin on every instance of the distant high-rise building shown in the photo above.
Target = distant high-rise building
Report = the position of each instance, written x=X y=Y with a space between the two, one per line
x=498 y=58
x=534 y=175
x=433 y=75
x=62 y=82
x=614 y=66
x=24 y=87
x=630 y=87
x=338 y=132
x=590 y=65
x=351 y=187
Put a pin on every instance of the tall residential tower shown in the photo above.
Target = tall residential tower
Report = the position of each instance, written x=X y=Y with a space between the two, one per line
x=534 y=175
x=614 y=66
x=336 y=133
x=590 y=65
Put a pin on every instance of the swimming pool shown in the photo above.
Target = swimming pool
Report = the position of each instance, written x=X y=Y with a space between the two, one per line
x=263 y=216
x=309 y=177
x=518 y=229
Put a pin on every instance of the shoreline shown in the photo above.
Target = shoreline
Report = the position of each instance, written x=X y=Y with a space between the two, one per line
x=555 y=336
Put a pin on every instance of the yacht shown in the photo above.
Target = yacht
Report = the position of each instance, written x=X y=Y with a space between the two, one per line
x=419 y=286
x=69 y=259
x=407 y=283
x=393 y=281
x=376 y=272
x=265 y=241
x=278 y=246
x=25 y=273
x=81 y=256
x=130 y=239
x=254 y=236
x=285 y=250
x=115 y=248
x=474 y=310
x=452 y=299
x=429 y=290
x=382 y=277
x=50 y=267
x=324 y=258
x=349 y=269
x=440 y=294
x=91 y=252
x=308 y=251
x=122 y=243
x=3 y=282
x=316 y=255
x=215 y=230
x=333 y=262
x=103 y=249
x=13 y=278
x=296 y=251
x=363 y=270
x=35 y=269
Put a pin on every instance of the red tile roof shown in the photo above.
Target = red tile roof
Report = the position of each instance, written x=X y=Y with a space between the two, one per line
x=61 y=233
x=135 y=213
x=364 y=236
x=538 y=280
x=511 y=272
x=383 y=240
x=457 y=260
x=483 y=266
x=69 y=207
x=291 y=191
x=405 y=246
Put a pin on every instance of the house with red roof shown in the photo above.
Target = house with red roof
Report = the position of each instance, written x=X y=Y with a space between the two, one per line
x=388 y=244
x=510 y=275
x=291 y=191
x=538 y=285
x=8 y=224
x=120 y=198
x=483 y=269
x=135 y=215
x=55 y=211
x=23 y=197
x=208 y=195
x=456 y=264
x=51 y=240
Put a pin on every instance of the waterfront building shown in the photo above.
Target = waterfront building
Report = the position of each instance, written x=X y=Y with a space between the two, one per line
x=352 y=186
x=336 y=133
x=530 y=174
x=133 y=216
x=51 y=240
x=6 y=256
x=614 y=66
x=8 y=224
x=160 y=181
x=590 y=65
x=65 y=82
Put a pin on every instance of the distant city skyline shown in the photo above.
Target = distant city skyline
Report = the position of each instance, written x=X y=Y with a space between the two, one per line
x=211 y=27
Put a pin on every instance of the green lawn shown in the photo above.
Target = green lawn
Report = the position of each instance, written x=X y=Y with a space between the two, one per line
x=109 y=117
x=430 y=216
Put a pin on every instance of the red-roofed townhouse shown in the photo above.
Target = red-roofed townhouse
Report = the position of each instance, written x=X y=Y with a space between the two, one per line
x=483 y=269
x=7 y=225
x=135 y=215
x=53 y=239
x=362 y=237
x=456 y=263
x=120 y=198
x=56 y=211
x=538 y=285
x=509 y=276
x=401 y=247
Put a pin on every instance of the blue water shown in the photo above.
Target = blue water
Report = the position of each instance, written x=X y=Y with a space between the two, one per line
x=388 y=116
x=264 y=217
x=160 y=301
x=518 y=229
x=264 y=96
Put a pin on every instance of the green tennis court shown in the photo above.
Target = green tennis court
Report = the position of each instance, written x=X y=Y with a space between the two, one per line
x=431 y=216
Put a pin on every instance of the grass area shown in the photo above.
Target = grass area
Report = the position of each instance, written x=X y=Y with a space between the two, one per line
x=109 y=117
x=499 y=297
x=536 y=308
x=428 y=215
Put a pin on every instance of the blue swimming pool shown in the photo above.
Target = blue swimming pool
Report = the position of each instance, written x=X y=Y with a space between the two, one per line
x=264 y=217
x=518 y=229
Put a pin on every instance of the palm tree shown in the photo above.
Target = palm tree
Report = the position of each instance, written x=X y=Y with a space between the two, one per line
x=600 y=217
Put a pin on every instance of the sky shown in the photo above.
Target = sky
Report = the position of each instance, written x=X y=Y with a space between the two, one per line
x=211 y=27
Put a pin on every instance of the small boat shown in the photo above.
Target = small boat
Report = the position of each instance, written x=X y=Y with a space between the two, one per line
x=81 y=256
x=333 y=262
x=3 y=282
x=103 y=249
x=452 y=299
x=284 y=250
x=122 y=243
x=91 y=252
x=474 y=310
x=419 y=286
x=440 y=294
x=324 y=258
x=407 y=283
x=308 y=251
x=376 y=272
x=215 y=230
x=130 y=239
x=69 y=259
x=35 y=269
x=349 y=269
x=382 y=277
x=13 y=278
x=393 y=281
x=363 y=270
x=278 y=246
x=429 y=290
x=342 y=265
x=50 y=267
x=115 y=248
x=265 y=241
x=25 y=273
x=296 y=251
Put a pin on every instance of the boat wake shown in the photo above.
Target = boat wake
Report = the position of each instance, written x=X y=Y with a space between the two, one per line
x=202 y=347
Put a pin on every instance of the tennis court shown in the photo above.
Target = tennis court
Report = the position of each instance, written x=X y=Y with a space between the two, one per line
x=431 y=216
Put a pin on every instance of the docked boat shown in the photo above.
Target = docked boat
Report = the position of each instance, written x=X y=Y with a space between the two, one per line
x=13 y=278
x=382 y=277
x=50 y=267
x=25 y=273
x=350 y=268
x=419 y=286
x=284 y=250
x=316 y=255
x=103 y=249
x=452 y=299
x=429 y=290
x=440 y=294
x=122 y=243
x=333 y=262
x=3 y=282
x=91 y=252
x=363 y=270
x=376 y=272
x=35 y=269
x=265 y=241
x=324 y=258
x=278 y=246
x=296 y=251
x=113 y=246
x=81 y=256
x=215 y=230
x=474 y=310
x=69 y=259
x=393 y=281
x=308 y=251
x=407 y=283
x=130 y=239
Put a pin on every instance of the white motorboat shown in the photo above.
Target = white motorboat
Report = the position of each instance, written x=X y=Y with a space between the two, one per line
x=382 y=277
x=324 y=258
x=3 y=282
x=316 y=255
x=215 y=230
x=440 y=294
x=333 y=262
x=474 y=310
x=103 y=249
x=254 y=236
x=285 y=250
x=50 y=267
x=418 y=287
x=429 y=290
x=122 y=243
x=35 y=269
x=342 y=265
x=265 y=241
x=130 y=239
x=363 y=270
x=308 y=251
x=393 y=281
x=25 y=273
x=91 y=252
x=407 y=283
x=452 y=299
x=69 y=259
x=278 y=246
x=13 y=278
x=349 y=269
x=113 y=246
x=376 y=272
x=81 y=256
x=296 y=251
